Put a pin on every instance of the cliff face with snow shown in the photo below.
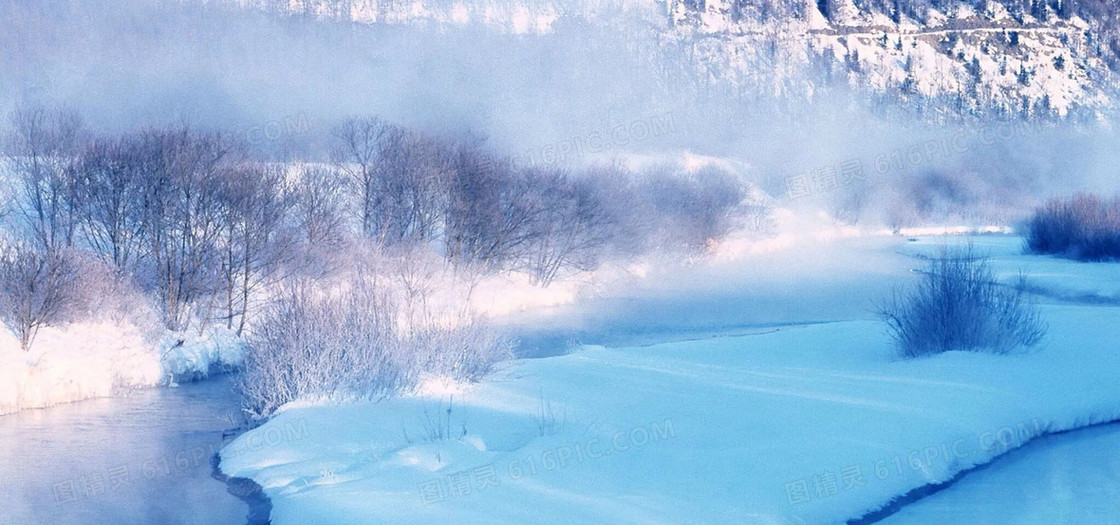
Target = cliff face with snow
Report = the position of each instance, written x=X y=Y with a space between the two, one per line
x=1037 y=58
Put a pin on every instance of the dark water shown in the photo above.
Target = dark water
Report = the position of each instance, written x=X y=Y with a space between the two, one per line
x=139 y=459
x=1068 y=478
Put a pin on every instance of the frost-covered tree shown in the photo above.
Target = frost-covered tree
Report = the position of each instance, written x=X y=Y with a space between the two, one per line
x=356 y=154
x=35 y=284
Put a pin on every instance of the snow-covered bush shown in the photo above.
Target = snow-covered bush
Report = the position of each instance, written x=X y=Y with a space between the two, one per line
x=315 y=342
x=358 y=339
x=1084 y=227
x=465 y=349
x=958 y=305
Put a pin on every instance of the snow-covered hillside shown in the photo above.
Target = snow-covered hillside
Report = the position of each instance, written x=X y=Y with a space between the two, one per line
x=977 y=61
x=995 y=59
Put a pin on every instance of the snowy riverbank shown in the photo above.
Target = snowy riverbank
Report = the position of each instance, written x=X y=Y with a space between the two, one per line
x=91 y=360
x=809 y=424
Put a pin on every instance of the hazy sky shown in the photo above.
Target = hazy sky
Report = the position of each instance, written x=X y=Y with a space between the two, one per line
x=579 y=94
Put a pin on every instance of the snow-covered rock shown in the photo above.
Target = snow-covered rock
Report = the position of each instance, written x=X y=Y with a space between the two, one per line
x=186 y=356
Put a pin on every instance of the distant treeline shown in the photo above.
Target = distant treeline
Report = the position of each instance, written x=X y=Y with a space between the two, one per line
x=191 y=221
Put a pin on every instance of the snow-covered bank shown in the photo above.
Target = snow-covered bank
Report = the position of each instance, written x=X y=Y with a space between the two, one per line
x=811 y=424
x=89 y=360
x=815 y=424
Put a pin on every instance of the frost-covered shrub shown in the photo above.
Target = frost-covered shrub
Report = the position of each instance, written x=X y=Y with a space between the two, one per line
x=465 y=350
x=958 y=305
x=1084 y=227
x=353 y=341
x=316 y=343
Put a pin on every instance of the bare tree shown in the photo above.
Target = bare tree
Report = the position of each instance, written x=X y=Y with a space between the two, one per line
x=491 y=211
x=109 y=179
x=34 y=286
x=848 y=204
x=184 y=221
x=356 y=155
x=255 y=240
x=692 y=210
x=410 y=187
x=570 y=229
x=627 y=215
x=398 y=178
x=318 y=216
x=41 y=149
x=758 y=216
